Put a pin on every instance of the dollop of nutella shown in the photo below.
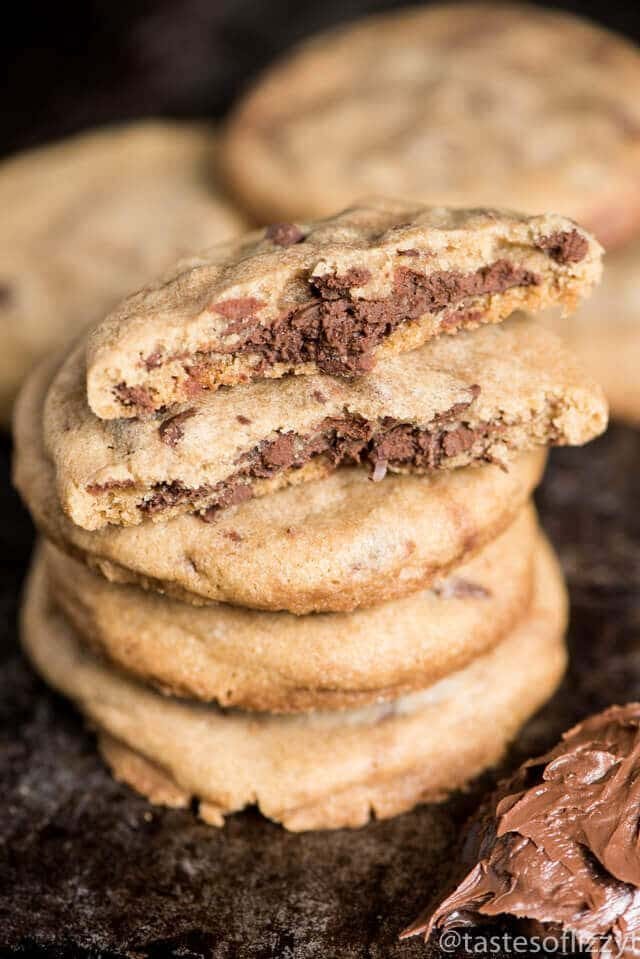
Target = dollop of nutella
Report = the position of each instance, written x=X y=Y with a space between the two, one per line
x=558 y=843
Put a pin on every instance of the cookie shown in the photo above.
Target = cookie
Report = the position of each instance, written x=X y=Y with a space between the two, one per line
x=467 y=104
x=322 y=769
x=330 y=545
x=605 y=333
x=284 y=663
x=88 y=220
x=377 y=279
x=482 y=396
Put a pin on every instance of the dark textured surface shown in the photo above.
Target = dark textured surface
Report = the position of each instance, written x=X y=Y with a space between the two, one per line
x=84 y=62
x=89 y=869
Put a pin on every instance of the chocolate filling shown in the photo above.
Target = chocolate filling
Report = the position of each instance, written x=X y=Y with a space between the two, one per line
x=564 y=246
x=339 y=332
x=171 y=430
x=138 y=396
x=341 y=439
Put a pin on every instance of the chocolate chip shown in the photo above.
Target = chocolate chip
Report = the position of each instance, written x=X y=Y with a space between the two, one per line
x=284 y=234
x=243 y=419
x=171 y=431
x=133 y=396
x=233 y=535
x=458 y=440
x=564 y=246
x=237 y=307
x=279 y=454
x=153 y=361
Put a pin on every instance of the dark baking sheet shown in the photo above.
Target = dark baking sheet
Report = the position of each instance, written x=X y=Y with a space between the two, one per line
x=89 y=869
x=66 y=66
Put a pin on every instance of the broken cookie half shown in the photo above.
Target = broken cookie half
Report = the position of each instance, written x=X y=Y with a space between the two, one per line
x=330 y=297
x=458 y=401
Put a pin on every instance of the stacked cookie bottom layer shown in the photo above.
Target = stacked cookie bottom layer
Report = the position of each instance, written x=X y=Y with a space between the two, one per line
x=333 y=650
x=330 y=652
x=401 y=703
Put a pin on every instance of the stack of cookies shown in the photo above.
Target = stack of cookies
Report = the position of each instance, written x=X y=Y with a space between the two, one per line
x=291 y=558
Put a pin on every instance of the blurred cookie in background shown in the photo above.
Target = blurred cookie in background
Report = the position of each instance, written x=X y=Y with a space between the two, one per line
x=463 y=105
x=88 y=220
x=604 y=333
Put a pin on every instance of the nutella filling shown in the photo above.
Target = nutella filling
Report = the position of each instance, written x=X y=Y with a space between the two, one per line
x=347 y=439
x=339 y=332
x=565 y=246
x=557 y=843
x=336 y=329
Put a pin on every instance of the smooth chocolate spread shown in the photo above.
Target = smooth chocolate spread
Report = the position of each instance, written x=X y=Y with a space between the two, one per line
x=565 y=246
x=339 y=331
x=345 y=439
x=558 y=844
